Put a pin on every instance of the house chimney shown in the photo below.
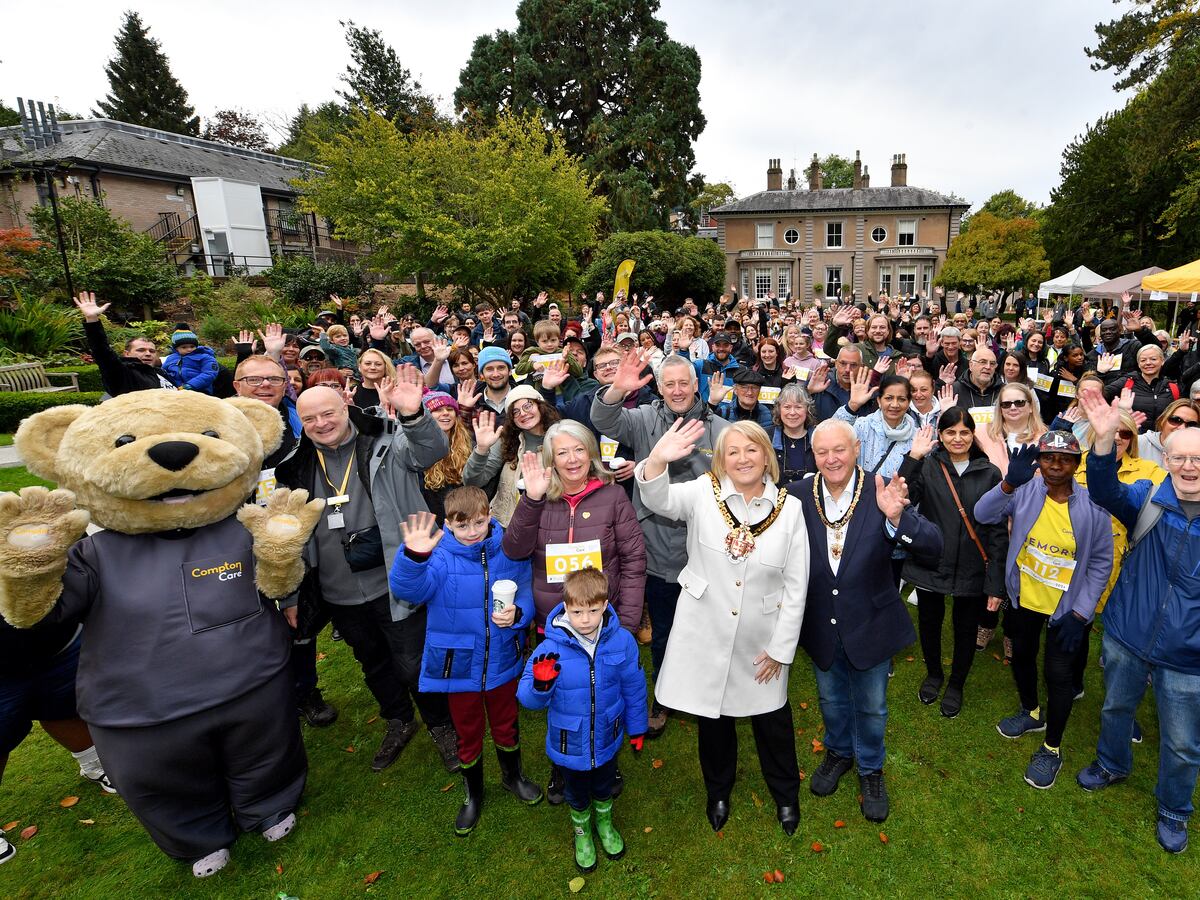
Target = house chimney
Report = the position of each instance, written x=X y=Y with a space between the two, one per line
x=866 y=178
x=857 y=171
x=774 y=175
x=792 y=180
x=899 y=170
x=814 y=174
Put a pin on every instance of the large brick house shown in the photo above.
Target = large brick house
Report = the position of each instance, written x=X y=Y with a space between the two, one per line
x=871 y=240
x=212 y=207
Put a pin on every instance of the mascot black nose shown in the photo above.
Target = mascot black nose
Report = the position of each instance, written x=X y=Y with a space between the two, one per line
x=173 y=455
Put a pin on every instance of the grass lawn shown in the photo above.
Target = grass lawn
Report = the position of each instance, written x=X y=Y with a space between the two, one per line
x=963 y=820
x=6 y=440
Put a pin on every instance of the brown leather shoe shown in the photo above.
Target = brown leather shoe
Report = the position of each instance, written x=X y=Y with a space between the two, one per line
x=644 y=632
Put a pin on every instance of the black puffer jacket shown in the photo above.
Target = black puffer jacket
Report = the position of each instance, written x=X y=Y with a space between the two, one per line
x=961 y=570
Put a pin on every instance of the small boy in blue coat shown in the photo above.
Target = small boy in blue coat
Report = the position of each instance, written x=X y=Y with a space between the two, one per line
x=473 y=650
x=191 y=365
x=589 y=674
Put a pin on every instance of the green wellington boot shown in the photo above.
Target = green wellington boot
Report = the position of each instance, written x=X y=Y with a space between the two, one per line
x=610 y=838
x=585 y=849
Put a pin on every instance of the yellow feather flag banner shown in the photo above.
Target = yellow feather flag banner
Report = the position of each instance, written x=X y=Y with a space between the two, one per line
x=624 y=270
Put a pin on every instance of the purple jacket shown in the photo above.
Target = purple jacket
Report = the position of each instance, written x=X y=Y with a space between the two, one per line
x=605 y=514
x=1093 y=539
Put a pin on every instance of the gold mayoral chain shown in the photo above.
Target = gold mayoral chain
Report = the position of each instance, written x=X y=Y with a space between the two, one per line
x=839 y=527
x=739 y=543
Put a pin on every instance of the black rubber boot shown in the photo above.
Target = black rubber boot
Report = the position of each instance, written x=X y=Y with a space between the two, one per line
x=472 y=807
x=555 y=787
x=513 y=780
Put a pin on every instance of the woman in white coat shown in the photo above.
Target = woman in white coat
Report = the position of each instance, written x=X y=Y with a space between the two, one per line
x=737 y=622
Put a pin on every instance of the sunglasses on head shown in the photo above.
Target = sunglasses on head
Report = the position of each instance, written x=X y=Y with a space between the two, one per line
x=1013 y=404
x=1180 y=422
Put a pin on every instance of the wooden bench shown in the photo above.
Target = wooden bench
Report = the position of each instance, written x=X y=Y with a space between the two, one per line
x=33 y=378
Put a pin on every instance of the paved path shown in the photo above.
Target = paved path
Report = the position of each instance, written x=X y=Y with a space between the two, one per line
x=9 y=458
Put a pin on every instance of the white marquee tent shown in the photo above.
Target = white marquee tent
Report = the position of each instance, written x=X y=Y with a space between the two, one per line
x=1076 y=281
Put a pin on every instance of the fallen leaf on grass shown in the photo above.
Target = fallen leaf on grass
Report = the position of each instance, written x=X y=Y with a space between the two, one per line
x=68 y=802
x=769 y=877
x=908 y=659
x=320 y=656
x=883 y=838
x=372 y=720
x=778 y=877
x=1020 y=809
x=817 y=745
x=576 y=884
x=721 y=833
x=996 y=657
x=803 y=775
x=817 y=847
x=279 y=869
x=648 y=829
x=373 y=877
x=11 y=825
x=350 y=749
x=657 y=764
x=447 y=787
x=27 y=833
x=757 y=799
x=839 y=824
x=87 y=821
x=804 y=706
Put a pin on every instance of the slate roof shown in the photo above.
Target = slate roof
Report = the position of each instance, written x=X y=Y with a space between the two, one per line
x=118 y=146
x=838 y=199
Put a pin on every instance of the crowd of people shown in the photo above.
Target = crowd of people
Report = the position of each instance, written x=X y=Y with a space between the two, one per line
x=724 y=484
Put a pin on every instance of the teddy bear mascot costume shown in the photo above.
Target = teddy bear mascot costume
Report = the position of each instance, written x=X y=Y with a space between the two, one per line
x=183 y=671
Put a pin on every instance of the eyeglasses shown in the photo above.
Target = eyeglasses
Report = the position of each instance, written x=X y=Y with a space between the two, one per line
x=1182 y=460
x=1180 y=422
x=256 y=380
x=1013 y=404
x=604 y=366
x=524 y=409
x=1125 y=434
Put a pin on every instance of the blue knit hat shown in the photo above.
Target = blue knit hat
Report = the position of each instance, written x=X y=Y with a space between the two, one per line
x=494 y=354
x=184 y=337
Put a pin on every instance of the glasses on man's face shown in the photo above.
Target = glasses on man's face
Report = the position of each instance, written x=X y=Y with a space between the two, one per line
x=1013 y=404
x=1125 y=434
x=1181 y=460
x=606 y=365
x=1180 y=422
x=256 y=380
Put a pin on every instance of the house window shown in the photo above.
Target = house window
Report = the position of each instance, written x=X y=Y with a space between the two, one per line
x=908 y=280
x=705 y=221
x=879 y=234
x=785 y=281
x=833 y=235
x=833 y=281
x=885 y=279
x=762 y=283
x=791 y=236
x=926 y=275
x=766 y=235
x=745 y=283
x=906 y=233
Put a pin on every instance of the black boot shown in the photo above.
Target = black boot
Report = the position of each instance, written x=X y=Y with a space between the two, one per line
x=316 y=711
x=513 y=780
x=472 y=807
x=555 y=787
x=618 y=784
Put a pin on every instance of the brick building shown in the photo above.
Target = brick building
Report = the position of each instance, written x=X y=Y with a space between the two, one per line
x=867 y=240
x=153 y=179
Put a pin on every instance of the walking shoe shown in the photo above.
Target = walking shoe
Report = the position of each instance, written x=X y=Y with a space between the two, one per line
x=930 y=688
x=585 y=847
x=1096 y=778
x=618 y=784
x=7 y=850
x=555 y=786
x=211 y=864
x=874 y=803
x=335 y=635
x=1078 y=695
x=825 y=779
x=1137 y=732
x=1020 y=723
x=316 y=711
x=397 y=738
x=610 y=839
x=952 y=701
x=1172 y=834
x=1008 y=649
x=645 y=631
x=891 y=668
x=280 y=829
x=717 y=811
x=445 y=738
x=472 y=805
x=983 y=637
x=102 y=780
x=1043 y=768
x=513 y=780
x=789 y=818
x=657 y=723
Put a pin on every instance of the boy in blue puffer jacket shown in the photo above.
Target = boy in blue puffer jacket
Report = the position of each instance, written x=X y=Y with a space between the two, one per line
x=589 y=674
x=191 y=365
x=473 y=650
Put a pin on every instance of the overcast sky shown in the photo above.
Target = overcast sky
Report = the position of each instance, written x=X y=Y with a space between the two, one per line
x=980 y=95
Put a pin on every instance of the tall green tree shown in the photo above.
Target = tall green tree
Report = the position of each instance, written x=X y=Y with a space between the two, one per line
x=996 y=254
x=236 y=128
x=1141 y=43
x=491 y=213
x=8 y=115
x=310 y=127
x=606 y=76
x=142 y=89
x=709 y=198
x=1006 y=204
x=669 y=266
x=837 y=172
x=376 y=78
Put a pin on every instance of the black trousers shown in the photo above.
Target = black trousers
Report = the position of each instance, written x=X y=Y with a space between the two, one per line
x=1025 y=627
x=183 y=779
x=1079 y=666
x=581 y=788
x=389 y=654
x=775 y=740
x=965 y=612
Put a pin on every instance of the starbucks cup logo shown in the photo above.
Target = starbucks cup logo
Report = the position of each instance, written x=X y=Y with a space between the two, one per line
x=504 y=594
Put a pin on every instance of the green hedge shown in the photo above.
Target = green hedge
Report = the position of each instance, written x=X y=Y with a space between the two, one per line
x=16 y=406
x=89 y=375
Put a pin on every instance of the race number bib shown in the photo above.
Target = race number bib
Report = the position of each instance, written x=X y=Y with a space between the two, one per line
x=982 y=414
x=1045 y=568
x=768 y=394
x=1066 y=389
x=608 y=448
x=1042 y=382
x=564 y=558
x=541 y=360
x=265 y=487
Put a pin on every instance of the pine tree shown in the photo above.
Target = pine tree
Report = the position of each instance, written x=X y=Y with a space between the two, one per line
x=142 y=89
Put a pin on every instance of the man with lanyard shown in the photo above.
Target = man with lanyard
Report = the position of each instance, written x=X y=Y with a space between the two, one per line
x=855 y=621
x=369 y=471
x=137 y=370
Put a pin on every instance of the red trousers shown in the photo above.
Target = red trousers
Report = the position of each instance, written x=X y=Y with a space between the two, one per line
x=467 y=711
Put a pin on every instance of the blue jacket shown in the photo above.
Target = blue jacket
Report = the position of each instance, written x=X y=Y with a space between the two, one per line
x=1154 y=610
x=711 y=365
x=197 y=371
x=761 y=415
x=1093 y=541
x=464 y=649
x=588 y=718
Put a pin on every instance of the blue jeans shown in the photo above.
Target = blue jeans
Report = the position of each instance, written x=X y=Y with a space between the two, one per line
x=661 y=598
x=854 y=707
x=1178 y=698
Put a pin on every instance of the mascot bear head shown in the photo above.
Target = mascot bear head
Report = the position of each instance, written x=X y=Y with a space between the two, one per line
x=153 y=460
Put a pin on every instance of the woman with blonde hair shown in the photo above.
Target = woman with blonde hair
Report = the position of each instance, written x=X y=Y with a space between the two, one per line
x=374 y=366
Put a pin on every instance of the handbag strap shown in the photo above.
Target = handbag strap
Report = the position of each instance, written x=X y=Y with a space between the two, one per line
x=886 y=452
x=962 y=512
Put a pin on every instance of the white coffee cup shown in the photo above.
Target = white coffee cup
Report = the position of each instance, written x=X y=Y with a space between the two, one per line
x=504 y=594
x=616 y=462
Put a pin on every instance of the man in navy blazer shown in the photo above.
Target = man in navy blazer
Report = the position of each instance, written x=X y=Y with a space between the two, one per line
x=854 y=619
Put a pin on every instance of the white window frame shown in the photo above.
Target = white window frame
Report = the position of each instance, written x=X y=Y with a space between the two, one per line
x=841 y=235
x=794 y=240
x=879 y=228
x=762 y=283
x=926 y=278
x=885 y=280
x=833 y=281
x=906 y=228
x=764 y=235
x=784 y=280
x=745 y=279
x=907 y=274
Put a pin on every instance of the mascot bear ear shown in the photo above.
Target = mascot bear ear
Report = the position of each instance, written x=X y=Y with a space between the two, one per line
x=38 y=437
x=265 y=420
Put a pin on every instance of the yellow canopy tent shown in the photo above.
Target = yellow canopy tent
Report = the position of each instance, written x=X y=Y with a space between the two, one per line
x=1184 y=280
